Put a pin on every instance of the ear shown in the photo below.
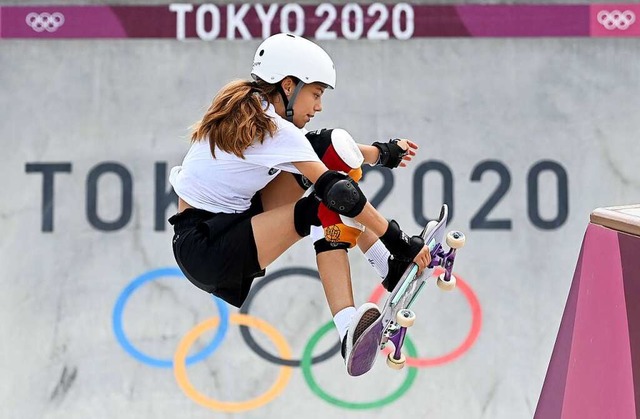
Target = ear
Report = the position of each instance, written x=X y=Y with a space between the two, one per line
x=287 y=84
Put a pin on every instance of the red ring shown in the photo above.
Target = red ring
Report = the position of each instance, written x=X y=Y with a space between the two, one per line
x=476 y=324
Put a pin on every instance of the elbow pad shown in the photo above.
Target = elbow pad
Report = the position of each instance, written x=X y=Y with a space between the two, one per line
x=337 y=149
x=340 y=193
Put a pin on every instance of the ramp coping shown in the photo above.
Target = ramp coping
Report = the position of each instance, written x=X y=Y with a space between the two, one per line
x=625 y=218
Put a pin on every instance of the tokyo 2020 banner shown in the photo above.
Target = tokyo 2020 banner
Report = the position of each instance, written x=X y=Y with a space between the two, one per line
x=325 y=21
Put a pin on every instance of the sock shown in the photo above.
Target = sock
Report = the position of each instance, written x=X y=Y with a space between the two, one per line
x=342 y=320
x=378 y=255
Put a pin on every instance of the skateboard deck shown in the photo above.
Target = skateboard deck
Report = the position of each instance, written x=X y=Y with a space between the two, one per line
x=396 y=315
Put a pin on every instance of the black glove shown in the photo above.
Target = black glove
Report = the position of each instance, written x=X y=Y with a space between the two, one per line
x=391 y=153
x=401 y=246
x=396 y=270
x=403 y=250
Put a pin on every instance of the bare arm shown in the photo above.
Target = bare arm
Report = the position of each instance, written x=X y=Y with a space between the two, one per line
x=372 y=154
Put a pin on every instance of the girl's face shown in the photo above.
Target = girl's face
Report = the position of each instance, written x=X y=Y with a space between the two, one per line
x=307 y=103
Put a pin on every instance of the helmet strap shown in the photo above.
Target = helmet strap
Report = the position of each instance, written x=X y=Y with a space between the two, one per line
x=288 y=102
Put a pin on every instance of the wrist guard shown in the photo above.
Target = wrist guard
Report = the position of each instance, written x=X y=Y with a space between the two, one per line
x=401 y=246
x=391 y=153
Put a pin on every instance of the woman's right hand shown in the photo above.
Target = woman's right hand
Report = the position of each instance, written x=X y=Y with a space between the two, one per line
x=423 y=259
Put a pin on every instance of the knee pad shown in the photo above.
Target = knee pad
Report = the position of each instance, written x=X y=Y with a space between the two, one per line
x=321 y=244
x=305 y=214
x=338 y=232
x=338 y=228
x=336 y=149
x=340 y=193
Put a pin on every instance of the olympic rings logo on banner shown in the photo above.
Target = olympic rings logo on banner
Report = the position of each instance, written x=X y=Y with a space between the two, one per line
x=284 y=357
x=616 y=19
x=41 y=22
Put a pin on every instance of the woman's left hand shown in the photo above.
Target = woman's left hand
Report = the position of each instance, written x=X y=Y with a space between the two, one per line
x=409 y=148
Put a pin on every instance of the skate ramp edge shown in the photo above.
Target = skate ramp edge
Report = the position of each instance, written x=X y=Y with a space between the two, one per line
x=594 y=370
x=625 y=219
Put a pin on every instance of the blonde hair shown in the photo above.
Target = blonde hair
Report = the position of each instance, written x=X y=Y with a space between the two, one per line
x=237 y=117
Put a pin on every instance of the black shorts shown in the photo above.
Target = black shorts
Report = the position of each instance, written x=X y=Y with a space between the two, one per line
x=217 y=252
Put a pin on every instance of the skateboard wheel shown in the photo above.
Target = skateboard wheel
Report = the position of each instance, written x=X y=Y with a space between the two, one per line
x=405 y=318
x=446 y=285
x=455 y=239
x=396 y=364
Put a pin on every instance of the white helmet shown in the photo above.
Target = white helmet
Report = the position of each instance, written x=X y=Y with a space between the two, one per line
x=285 y=55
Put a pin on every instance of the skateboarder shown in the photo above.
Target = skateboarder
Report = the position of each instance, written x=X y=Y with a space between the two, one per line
x=237 y=209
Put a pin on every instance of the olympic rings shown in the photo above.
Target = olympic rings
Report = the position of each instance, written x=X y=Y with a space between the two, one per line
x=180 y=370
x=180 y=360
x=476 y=324
x=146 y=359
x=246 y=334
x=616 y=19
x=41 y=22
x=308 y=376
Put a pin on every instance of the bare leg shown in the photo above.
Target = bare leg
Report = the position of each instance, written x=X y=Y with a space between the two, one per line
x=274 y=230
x=366 y=240
x=375 y=252
x=282 y=190
x=335 y=274
x=278 y=200
x=333 y=266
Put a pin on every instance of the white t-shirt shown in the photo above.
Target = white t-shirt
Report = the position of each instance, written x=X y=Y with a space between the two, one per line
x=227 y=183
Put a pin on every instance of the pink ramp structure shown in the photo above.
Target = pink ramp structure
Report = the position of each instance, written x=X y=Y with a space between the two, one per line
x=595 y=366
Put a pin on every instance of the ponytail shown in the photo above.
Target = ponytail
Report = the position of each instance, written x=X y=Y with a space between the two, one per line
x=236 y=117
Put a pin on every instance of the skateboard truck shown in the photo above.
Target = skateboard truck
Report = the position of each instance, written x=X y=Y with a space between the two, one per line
x=455 y=240
x=396 y=331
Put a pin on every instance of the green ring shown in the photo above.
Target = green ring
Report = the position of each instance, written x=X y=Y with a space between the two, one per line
x=306 y=370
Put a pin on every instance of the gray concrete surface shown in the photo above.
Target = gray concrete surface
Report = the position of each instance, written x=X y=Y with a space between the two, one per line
x=465 y=101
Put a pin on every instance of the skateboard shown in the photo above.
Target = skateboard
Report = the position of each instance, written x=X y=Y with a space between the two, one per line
x=396 y=314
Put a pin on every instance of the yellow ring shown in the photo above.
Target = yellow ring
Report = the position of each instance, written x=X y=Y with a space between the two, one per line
x=180 y=368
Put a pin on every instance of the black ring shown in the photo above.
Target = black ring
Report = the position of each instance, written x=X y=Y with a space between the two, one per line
x=246 y=333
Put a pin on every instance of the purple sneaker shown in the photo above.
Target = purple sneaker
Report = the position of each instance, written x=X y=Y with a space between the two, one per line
x=360 y=361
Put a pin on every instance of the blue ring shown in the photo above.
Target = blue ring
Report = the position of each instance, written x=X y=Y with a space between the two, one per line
x=155 y=362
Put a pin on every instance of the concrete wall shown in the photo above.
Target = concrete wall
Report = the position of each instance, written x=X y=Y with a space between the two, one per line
x=105 y=118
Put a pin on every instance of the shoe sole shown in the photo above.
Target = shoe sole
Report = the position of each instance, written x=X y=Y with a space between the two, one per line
x=361 y=362
x=367 y=319
x=365 y=350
